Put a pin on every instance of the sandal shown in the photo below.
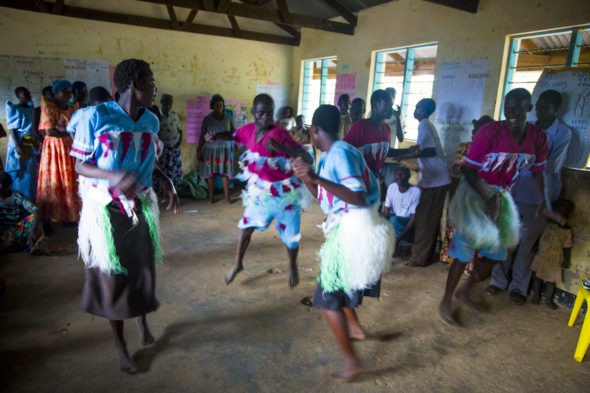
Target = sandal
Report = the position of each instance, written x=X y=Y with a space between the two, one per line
x=516 y=298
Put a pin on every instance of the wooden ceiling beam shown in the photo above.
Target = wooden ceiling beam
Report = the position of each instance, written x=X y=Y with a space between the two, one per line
x=142 y=21
x=222 y=6
x=267 y=14
x=463 y=5
x=284 y=11
x=189 y=19
x=290 y=29
x=172 y=16
x=343 y=11
x=234 y=26
x=58 y=6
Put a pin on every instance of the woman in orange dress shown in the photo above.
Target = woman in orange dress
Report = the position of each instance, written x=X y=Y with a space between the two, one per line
x=57 y=187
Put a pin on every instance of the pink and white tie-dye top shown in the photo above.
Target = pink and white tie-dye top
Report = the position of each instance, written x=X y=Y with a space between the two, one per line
x=498 y=157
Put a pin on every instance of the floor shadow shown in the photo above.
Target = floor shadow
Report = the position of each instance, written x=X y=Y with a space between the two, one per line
x=373 y=374
x=384 y=336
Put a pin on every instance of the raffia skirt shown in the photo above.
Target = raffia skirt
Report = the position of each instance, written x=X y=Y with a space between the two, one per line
x=124 y=296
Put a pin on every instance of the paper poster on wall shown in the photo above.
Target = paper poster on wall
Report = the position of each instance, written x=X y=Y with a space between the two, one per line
x=92 y=72
x=574 y=86
x=459 y=100
x=196 y=110
x=345 y=84
x=34 y=73
x=240 y=110
x=278 y=94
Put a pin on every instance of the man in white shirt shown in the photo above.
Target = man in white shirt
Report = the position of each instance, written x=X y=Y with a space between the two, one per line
x=400 y=205
x=434 y=183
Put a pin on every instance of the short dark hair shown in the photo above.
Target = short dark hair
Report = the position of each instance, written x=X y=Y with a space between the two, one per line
x=327 y=117
x=130 y=71
x=552 y=96
x=263 y=97
x=429 y=105
x=46 y=90
x=21 y=89
x=5 y=179
x=518 y=94
x=214 y=99
x=403 y=169
x=99 y=94
x=342 y=96
x=379 y=95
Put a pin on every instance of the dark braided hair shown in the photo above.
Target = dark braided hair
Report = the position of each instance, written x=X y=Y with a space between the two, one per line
x=129 y=71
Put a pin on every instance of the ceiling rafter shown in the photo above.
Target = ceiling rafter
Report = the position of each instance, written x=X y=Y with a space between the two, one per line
x=143 y=21
x=234 y=26
x=268 y=15
x=58 y=6
x=463 y=5
x=172 y=16
x=189 y=19
x=342 y=10
x=284 y=11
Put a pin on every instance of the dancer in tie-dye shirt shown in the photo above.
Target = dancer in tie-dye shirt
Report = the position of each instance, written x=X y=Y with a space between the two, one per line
x=484 y=213
x=273 y=192
x=116 y=145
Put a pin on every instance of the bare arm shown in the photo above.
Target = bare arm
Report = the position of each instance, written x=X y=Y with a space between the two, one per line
x=398 y=125
x=304 y=172
x=273 y=145
x=201 y=141
x=126 y=182
x=486 y=193
x=14 y=136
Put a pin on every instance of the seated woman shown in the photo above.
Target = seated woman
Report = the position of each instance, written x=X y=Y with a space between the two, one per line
x=400 y=205
x=19 y=226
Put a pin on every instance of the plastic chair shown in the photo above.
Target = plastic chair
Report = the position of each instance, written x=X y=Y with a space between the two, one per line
x=584 y=340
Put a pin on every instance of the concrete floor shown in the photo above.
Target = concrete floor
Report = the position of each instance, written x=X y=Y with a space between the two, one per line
x=255 y=335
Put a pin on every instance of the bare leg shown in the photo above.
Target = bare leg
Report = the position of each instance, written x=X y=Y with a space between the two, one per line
x=549 y=292
x=354 y=328
x=225 y=181
x=481 y=271
x=144 y=330
x=351 y=363
x=537 y=285
x=126 y=363
x=243 y=242
x=211 y=186
x=455 y=272
x=294 y=273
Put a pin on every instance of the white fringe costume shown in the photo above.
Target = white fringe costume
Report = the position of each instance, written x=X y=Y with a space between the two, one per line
x=357 y=251
x=95 y=233
x=467 y=211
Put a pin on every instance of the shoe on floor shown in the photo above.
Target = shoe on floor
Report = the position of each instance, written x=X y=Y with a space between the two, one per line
x=492 y=289
x=516 y=298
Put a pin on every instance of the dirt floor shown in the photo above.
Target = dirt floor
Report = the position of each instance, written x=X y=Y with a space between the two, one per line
x=255 y=335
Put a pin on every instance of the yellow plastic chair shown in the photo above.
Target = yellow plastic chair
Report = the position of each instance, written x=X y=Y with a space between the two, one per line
x=584 y=340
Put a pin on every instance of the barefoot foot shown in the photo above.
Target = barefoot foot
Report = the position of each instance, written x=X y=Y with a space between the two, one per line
x=462 y=294
x=144 y=331
x=229 y=277
x=126 y=364
x=348 y=373
x=445 y=313
x=356 y=333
